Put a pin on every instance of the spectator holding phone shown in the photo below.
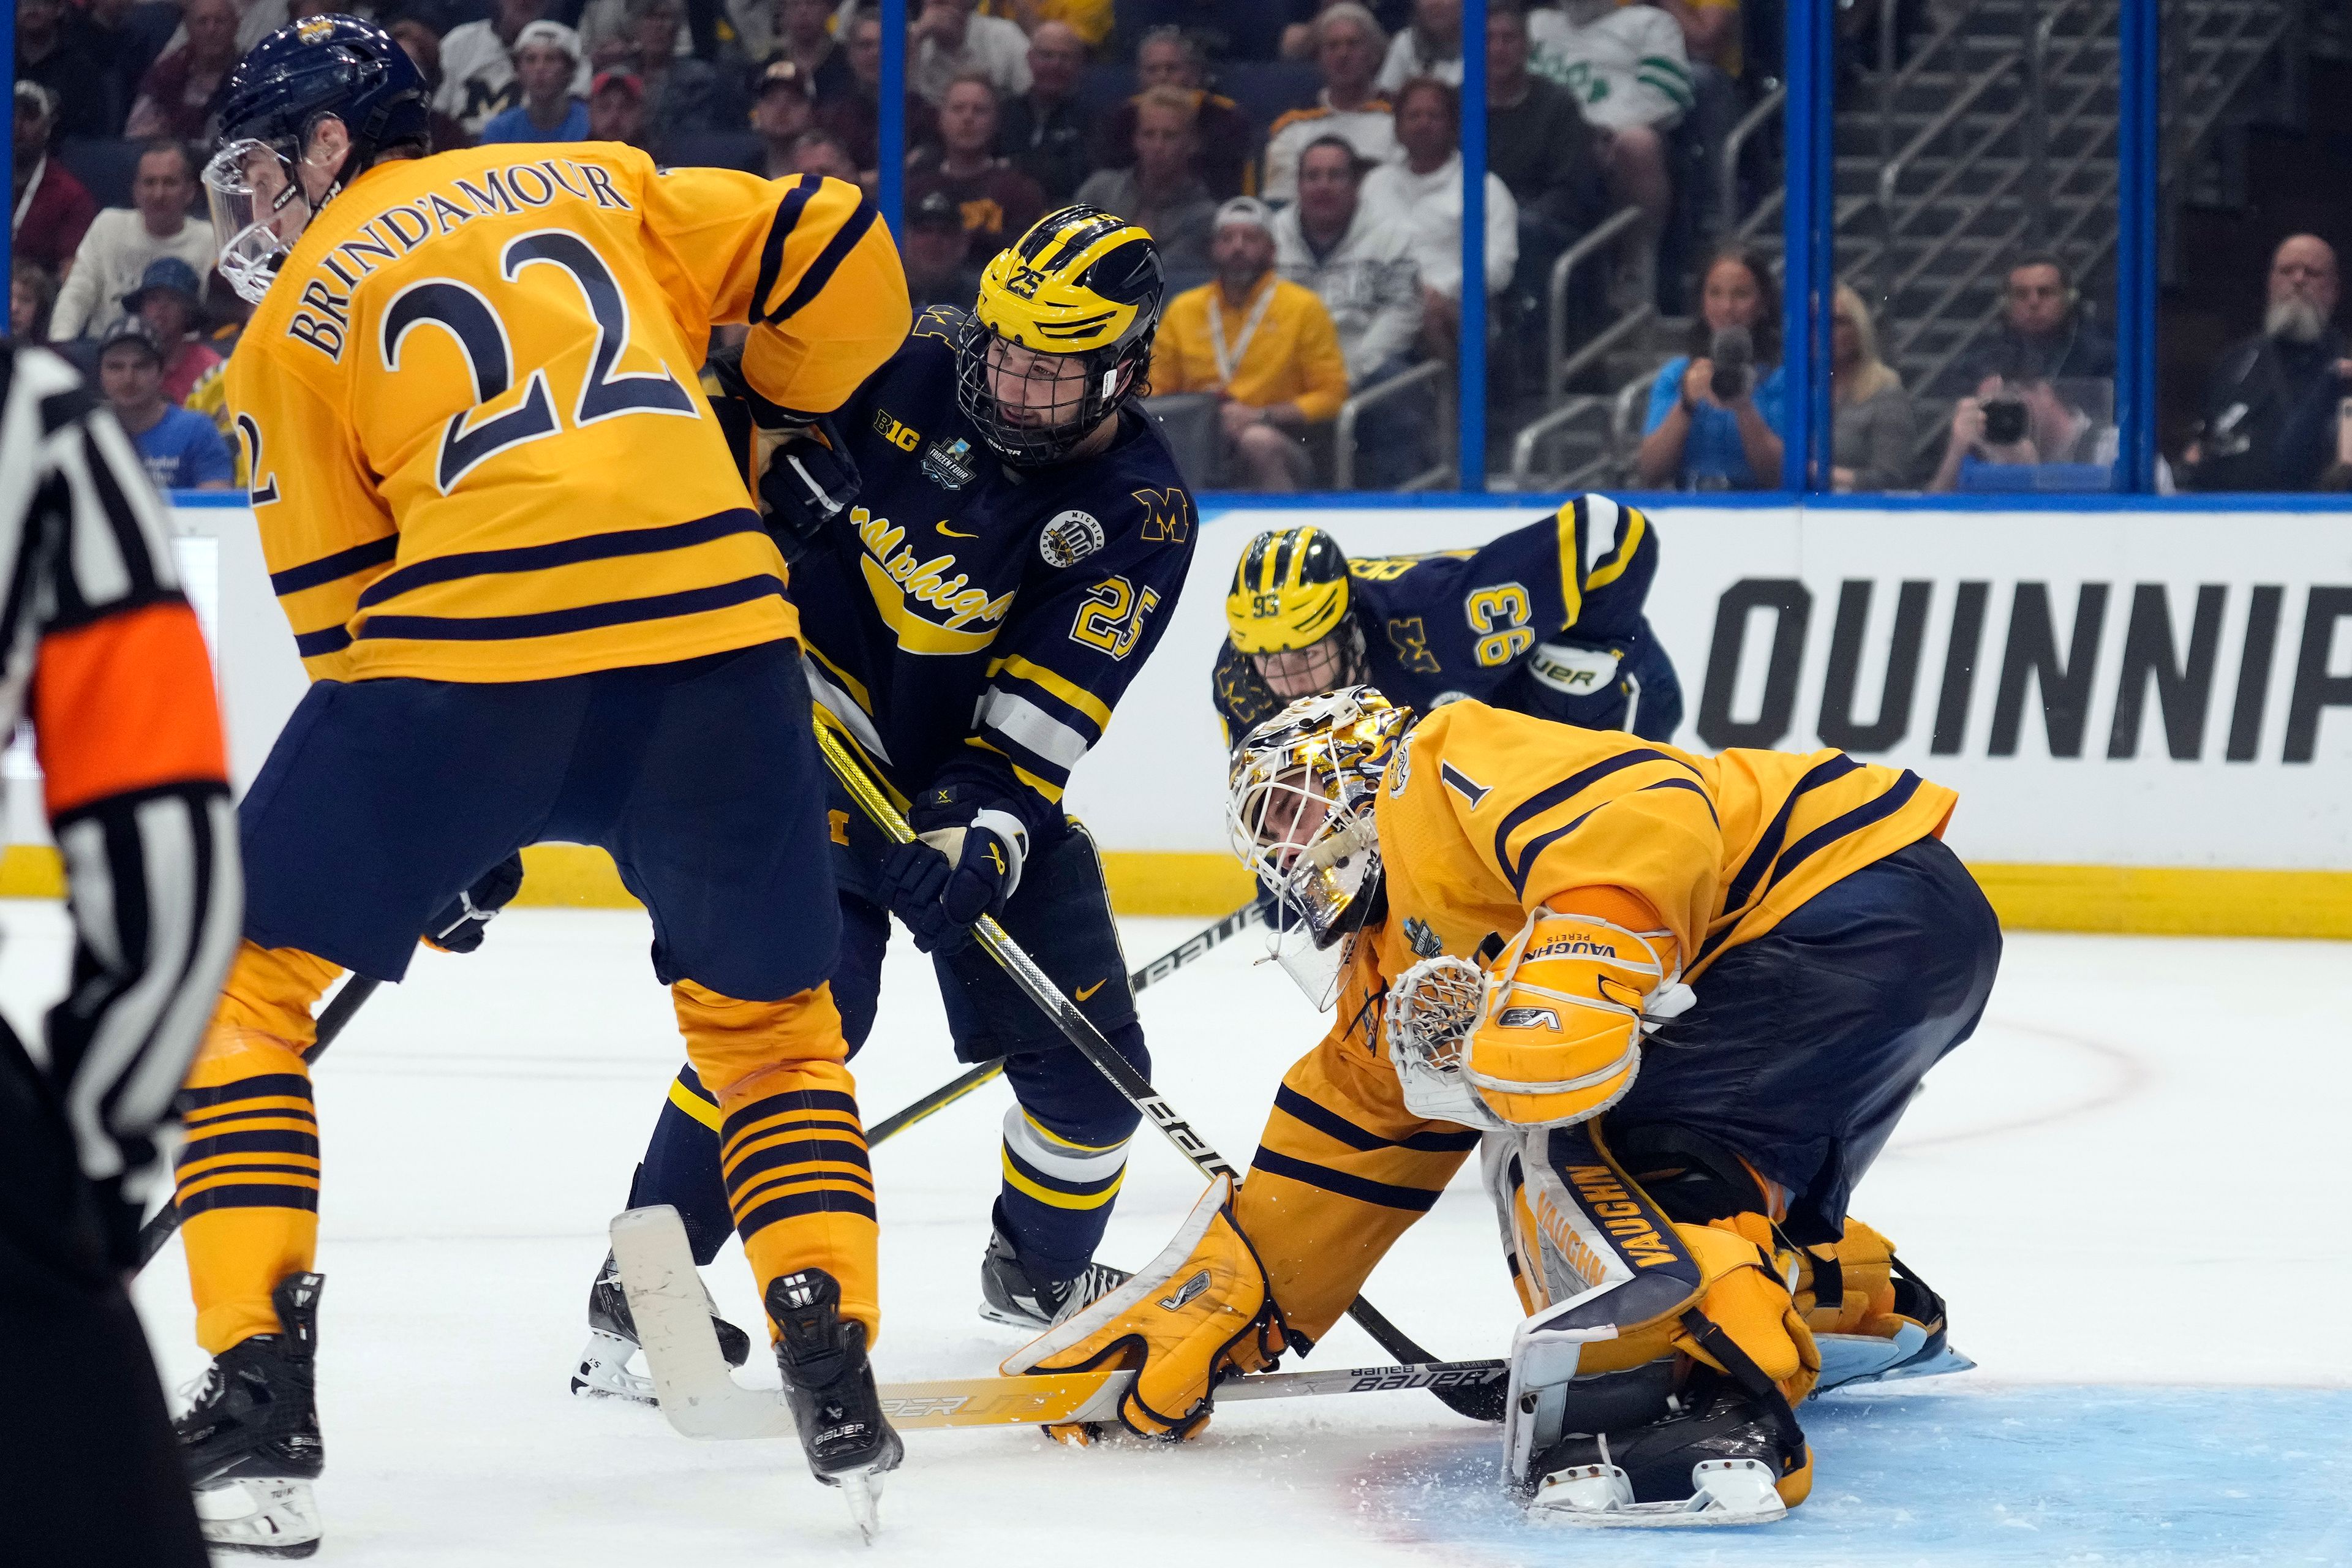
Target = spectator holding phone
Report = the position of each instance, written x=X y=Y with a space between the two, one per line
x=1718 y=415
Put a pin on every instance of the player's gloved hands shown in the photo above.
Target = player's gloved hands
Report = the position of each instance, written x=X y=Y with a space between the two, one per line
x=964 y=862
x=1198 y=1312
x=460 y=926
x=801 y=469
x=807 y=479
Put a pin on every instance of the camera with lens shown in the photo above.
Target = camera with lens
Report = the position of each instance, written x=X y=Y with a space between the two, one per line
x=2004 y=421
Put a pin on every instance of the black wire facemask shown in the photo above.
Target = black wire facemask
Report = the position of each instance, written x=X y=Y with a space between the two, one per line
x=1055 y=402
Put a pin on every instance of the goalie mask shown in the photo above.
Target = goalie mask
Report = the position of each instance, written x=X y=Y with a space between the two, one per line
x=267 y=181
x=1060 y=337
x=1299 y=812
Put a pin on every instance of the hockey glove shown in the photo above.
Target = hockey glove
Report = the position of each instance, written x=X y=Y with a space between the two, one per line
x=801 y=469
x=964 y=862
x=460 y=926
x=1194 y=1314
x=807 y=481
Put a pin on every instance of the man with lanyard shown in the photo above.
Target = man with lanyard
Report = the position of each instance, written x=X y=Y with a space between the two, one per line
x=1264 y=345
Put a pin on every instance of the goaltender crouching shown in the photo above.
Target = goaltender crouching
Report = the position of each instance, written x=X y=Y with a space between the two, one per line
x=1677 y=1003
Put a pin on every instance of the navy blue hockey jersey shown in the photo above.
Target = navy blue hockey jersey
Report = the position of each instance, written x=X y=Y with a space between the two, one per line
x=970 y=623
x=1546 y=620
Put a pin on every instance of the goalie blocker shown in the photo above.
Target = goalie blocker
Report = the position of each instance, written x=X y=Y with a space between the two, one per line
x=1728 y=976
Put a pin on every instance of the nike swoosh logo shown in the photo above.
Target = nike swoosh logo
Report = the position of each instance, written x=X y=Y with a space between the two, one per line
x=952 y=534
x=1090 y=990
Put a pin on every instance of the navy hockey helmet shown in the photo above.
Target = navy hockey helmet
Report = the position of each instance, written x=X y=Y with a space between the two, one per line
x=308 y=71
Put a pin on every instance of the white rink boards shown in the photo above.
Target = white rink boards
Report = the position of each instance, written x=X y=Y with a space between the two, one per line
x=2129 y=1186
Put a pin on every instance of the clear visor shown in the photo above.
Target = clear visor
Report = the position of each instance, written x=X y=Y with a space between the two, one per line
x=258 y=212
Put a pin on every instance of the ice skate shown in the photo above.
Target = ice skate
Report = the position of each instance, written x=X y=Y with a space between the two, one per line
x=1009 y=1294
x=829 y=1384
x=1717 y=1459
x=602 y=1370
x=250 y=1438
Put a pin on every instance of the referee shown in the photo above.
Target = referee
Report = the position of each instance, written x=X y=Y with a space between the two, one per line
x=99 y=649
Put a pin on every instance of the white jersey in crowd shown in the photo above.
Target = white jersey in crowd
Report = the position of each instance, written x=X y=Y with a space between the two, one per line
x=996 y=48
x=1405 y=61
x=1366 y=282
x=478 y=78
x=113 y=256
x=1428 y=209
x=1371 y=130
x=1626 y=66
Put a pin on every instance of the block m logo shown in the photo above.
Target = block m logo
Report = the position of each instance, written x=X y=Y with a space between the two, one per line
x=1167 y=514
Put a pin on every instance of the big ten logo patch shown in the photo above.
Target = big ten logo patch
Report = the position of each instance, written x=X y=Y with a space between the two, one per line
x=1167 y=515
x=906 y=437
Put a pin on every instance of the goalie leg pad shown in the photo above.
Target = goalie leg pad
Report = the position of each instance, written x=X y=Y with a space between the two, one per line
x=1195 y=1313
x=1641 y=1320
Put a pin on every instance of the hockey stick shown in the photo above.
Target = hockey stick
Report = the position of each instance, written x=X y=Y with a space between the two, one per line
x=703 y=1400
x=348 y=1000
x=1478 y=1404
x=1158 y=969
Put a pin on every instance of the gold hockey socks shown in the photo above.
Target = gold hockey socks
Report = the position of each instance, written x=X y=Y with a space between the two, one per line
x=791 y=1149
x=247 y=1175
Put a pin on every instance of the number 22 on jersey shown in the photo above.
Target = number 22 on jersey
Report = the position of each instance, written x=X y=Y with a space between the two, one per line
x=480 y=330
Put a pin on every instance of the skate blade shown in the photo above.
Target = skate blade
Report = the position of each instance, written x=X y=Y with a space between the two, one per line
x=1849 y=1359
x=862 y=1490
x=1026 y=1322
x=276 y=1517
x=603 y=1371
x=1600 y=1497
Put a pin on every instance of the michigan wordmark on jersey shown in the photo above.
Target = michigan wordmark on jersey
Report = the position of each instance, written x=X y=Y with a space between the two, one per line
x=968 y=619
x=471 y=409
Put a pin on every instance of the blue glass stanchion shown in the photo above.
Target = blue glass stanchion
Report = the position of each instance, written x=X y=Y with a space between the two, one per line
x=1470 y=444
x=1809 y=271
x=890 y=184
x=2136 y=133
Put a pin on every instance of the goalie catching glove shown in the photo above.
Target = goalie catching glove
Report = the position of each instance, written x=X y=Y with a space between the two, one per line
x=1550 y=1035
x=1197 y=1312
x=963 y=862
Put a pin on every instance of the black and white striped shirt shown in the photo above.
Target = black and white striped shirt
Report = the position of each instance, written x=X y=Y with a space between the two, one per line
x=97 y=640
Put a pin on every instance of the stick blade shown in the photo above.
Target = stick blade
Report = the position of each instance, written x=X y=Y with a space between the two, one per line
x=697 y=1394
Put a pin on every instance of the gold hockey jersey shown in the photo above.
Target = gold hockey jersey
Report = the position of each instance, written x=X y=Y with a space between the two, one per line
x=1482 y=816
x=470 y=404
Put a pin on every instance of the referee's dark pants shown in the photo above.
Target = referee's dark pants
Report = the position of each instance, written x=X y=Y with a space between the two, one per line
x=89 y=1476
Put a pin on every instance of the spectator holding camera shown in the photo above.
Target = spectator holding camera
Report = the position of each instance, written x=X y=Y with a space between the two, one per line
x=1871 y=417
x=1718 y=415
x=2270 y=409
x=2022 y=432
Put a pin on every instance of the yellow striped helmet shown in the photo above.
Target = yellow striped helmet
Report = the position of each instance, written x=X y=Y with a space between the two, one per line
x=1290 y=592
x=1083 y=285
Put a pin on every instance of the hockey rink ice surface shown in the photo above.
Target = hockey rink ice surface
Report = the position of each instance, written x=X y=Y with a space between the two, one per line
x=2131 y=1187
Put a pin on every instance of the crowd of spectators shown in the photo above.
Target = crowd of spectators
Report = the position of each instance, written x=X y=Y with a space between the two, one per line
x=1341 y=119
x=1298 y=163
